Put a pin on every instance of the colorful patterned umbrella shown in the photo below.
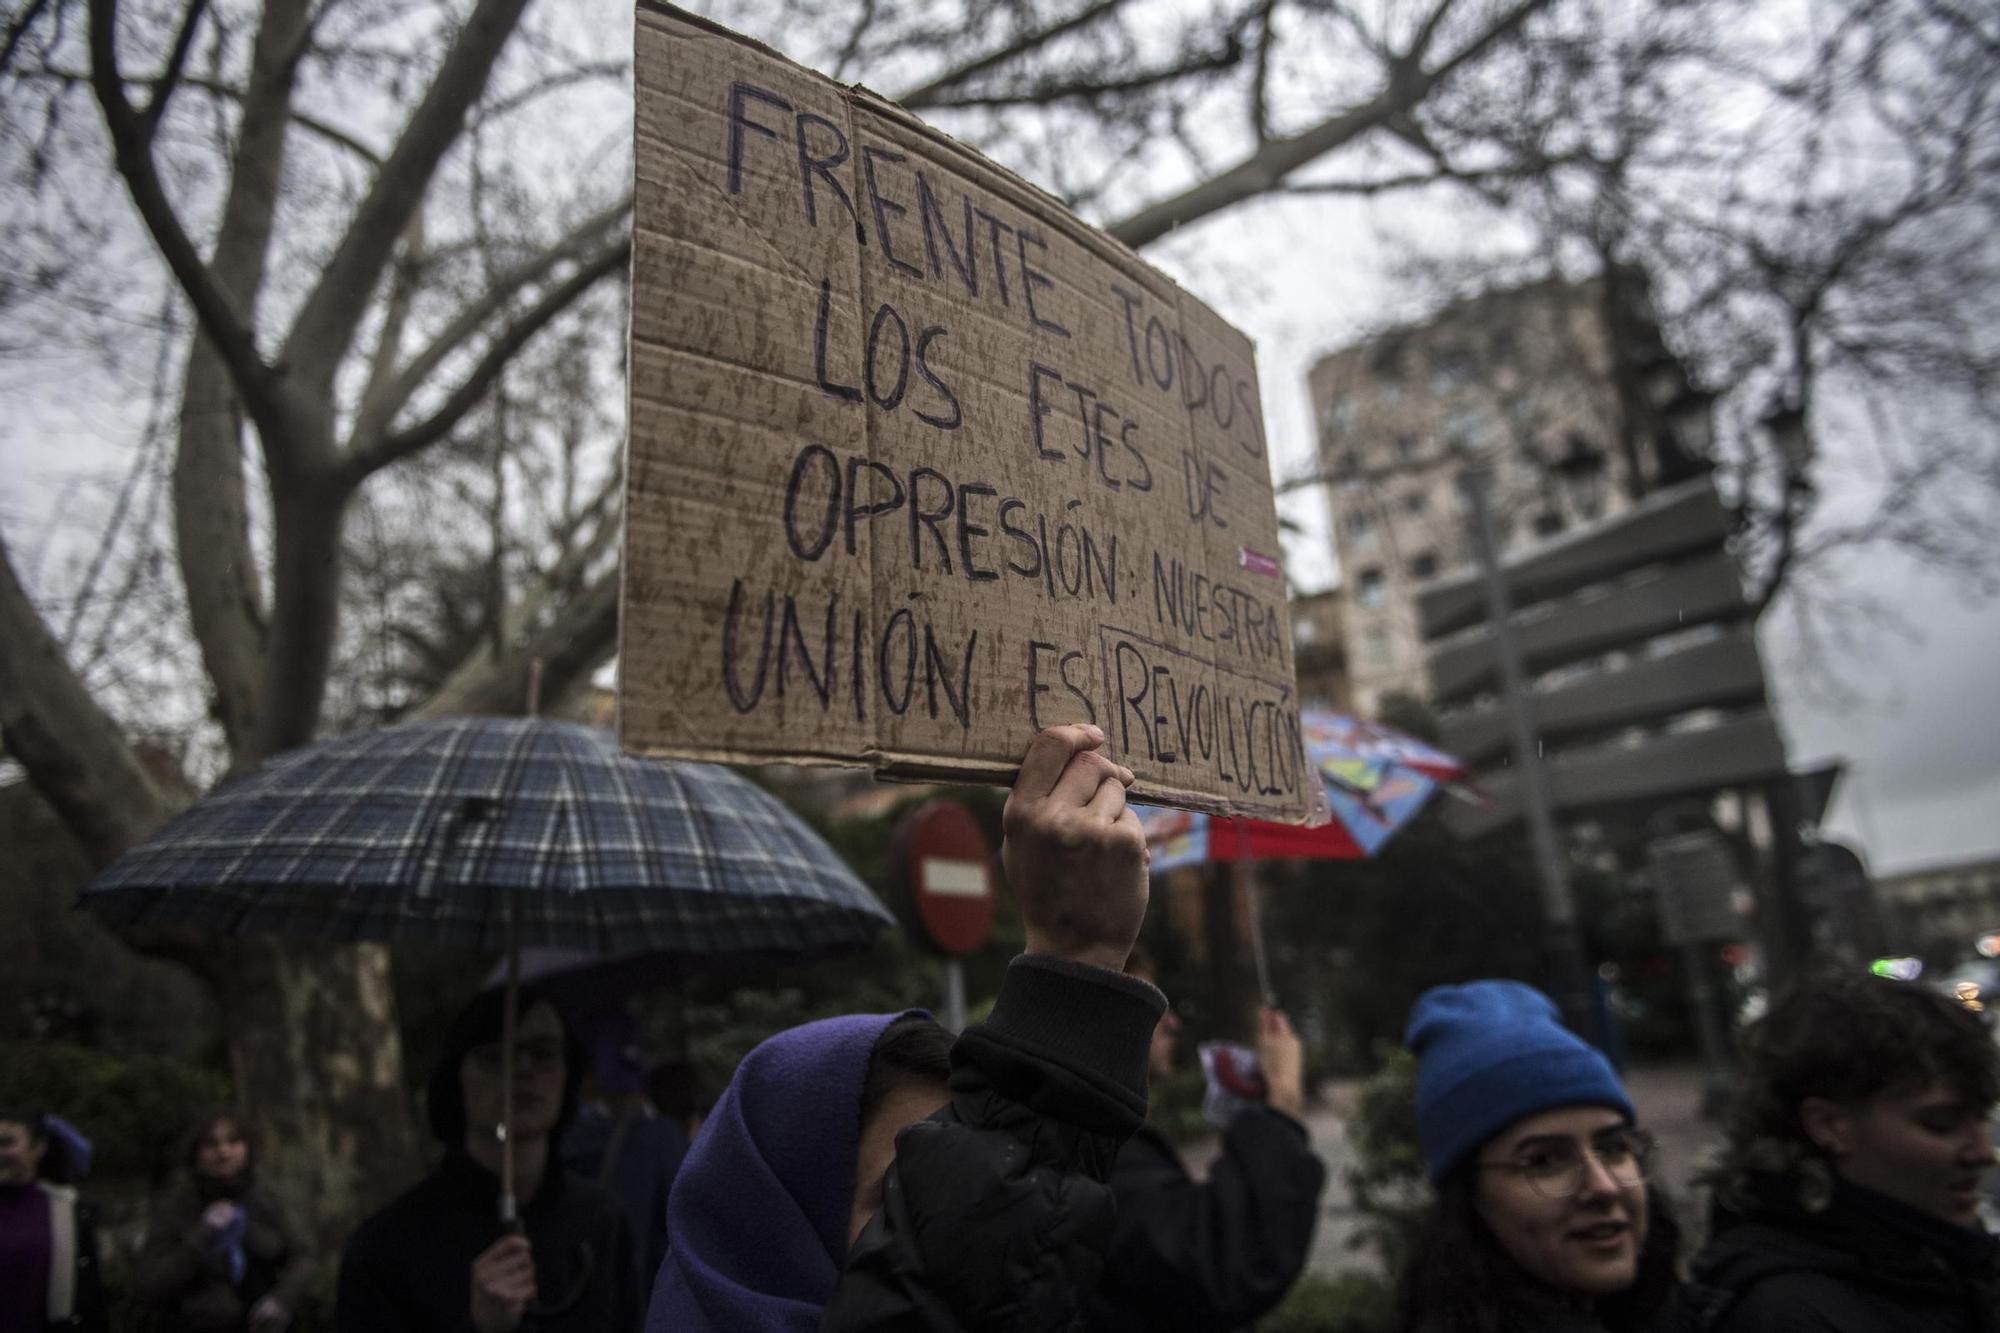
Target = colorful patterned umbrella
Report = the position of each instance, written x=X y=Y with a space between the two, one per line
x=1376 y=779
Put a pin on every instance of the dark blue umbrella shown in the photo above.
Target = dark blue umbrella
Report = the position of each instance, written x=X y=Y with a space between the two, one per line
x=443 y=830
x=493 y=833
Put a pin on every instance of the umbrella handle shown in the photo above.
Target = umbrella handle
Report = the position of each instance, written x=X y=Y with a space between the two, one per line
x=1253 y=895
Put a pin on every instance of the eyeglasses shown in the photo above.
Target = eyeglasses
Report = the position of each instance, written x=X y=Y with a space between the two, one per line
x=1558 y=1168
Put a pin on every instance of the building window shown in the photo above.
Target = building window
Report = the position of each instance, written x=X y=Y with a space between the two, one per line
x=1424 y=565
x=1548 y=523
x=1338 y=418
x=1466 y=431
x=1451 y=370
x=1376 y=642
x=1416 y=502
x=1360 y=523
x=1407 y=448
x=1347 y=464
x=1369 y=588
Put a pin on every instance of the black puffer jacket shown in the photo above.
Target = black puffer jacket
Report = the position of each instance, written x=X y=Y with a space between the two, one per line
x=995 y=1212
x=1209 y=1255
x=1868 y=1264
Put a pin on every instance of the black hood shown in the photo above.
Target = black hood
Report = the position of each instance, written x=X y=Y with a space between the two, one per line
x=476 y=1025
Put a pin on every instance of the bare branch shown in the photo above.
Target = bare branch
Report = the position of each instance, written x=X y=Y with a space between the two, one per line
x=360 y=463
x=72 y=750
x=864 y=19
x=582 y=635
x=18 y=29
x=325 y=327
x=170 y=77
x=1420 y=45
x=395 y=317
x=305 y=120
x=382 y=402
x=583 y=73
x=221 y=321
x=1260 y=86
x=1275 y=159
x=932 y=92
x=1085 y=89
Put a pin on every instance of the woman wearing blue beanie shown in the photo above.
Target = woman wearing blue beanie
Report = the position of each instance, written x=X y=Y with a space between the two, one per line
x=1543 y=1220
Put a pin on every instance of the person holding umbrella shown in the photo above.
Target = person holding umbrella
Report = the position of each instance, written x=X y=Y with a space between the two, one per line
x=867 y=1172
x=436 y=1258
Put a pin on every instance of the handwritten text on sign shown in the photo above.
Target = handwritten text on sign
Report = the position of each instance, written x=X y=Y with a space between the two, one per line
x=920 y=463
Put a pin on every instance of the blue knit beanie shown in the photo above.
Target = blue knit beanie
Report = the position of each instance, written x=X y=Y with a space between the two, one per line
x=1489 y=1053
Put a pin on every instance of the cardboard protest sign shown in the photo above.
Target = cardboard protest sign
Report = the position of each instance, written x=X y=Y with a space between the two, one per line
x=920 y=463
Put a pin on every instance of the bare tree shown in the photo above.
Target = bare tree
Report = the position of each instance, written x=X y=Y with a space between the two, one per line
x=384 y=281
x=1807 y=211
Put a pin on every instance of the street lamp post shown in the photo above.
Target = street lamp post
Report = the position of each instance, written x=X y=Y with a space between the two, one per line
x=1564 y=945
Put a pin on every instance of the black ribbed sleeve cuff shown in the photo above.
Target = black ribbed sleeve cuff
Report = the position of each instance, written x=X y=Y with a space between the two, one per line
x=1072 y=1041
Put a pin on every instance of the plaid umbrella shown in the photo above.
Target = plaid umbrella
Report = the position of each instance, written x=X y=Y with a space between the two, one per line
x=491 y=833
x=432 y=830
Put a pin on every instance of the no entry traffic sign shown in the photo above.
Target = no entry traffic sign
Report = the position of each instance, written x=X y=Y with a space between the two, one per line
x=948 y=866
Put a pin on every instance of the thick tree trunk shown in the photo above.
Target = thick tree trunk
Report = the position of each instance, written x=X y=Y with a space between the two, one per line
x=72 y=750
x=211 y=517
x=318 y=1069
x=212 y=531
x=307 y=519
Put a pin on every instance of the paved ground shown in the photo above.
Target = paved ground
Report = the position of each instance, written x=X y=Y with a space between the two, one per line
x=1668 y=1098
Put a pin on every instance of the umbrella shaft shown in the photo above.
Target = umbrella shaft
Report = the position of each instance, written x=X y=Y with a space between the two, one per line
x=508 y=1020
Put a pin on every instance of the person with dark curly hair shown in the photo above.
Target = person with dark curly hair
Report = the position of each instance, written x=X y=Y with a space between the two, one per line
x=1544 y=1220
x=221 y=1254
x=1847 y=1200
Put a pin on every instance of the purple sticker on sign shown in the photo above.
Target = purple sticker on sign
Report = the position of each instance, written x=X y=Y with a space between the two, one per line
x=1258 y=563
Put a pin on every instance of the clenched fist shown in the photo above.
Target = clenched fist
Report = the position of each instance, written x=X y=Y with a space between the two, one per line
x=1075 y=856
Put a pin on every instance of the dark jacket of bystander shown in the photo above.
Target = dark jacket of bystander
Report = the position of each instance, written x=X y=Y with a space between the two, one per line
x=1865 y=1264
x=1209 y=1255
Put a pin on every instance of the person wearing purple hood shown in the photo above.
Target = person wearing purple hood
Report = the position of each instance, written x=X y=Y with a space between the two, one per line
x=49 y=1276
x=868 y=1172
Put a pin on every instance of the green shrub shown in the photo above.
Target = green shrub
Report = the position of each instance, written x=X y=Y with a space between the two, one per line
x=1342 y=1303
x=1174 y=1102
x=134 y=1112
x=1389 y=1185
